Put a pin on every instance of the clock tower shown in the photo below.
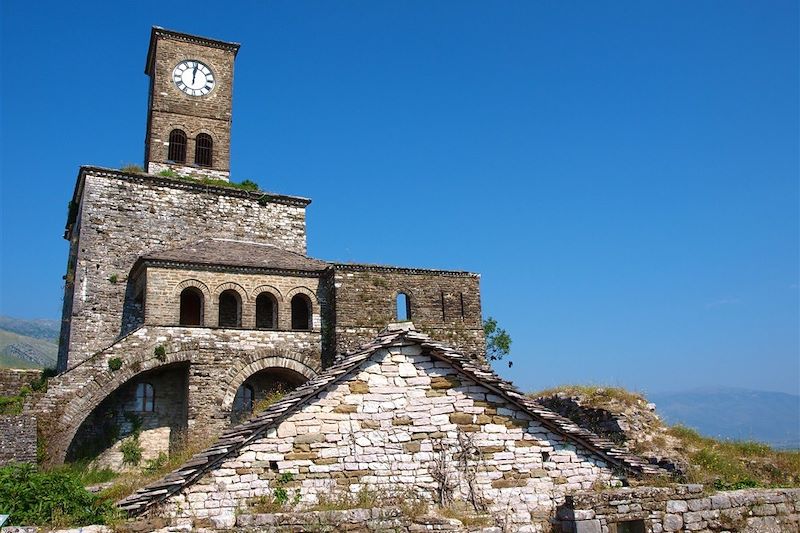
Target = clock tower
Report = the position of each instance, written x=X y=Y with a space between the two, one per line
x=189 y=106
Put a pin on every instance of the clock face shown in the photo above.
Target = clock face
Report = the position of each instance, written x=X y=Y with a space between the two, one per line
x=193 y=77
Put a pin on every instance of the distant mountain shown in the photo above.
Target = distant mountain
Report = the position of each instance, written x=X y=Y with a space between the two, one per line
x=731 y=413
x=28 y=343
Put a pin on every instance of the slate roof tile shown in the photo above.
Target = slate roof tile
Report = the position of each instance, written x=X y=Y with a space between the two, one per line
x=233 y=253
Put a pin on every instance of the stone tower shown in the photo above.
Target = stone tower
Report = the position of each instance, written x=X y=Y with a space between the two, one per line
x=187 y=300
x=189 y=105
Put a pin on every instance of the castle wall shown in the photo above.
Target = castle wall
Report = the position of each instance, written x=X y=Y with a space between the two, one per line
x=402 y=422
x=124 y=216
x=445 y=305
x=164 y=285
x=682 y=508
x=13 y=379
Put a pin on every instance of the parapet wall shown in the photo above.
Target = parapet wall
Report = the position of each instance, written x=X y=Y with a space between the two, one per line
x=681 y=508
x=13 y=379
x=17 y=439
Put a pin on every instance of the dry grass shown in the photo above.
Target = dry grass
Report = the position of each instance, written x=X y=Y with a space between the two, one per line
x=595 y=395
x=737 y=464
x=465 y=514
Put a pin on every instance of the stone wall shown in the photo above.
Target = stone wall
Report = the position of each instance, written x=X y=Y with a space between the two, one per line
x=219 y=360
x=681 y=508
x=164 y=285
x=17 y=439
x=404 y=422
x=124 y=216
x=13 y=379
x=445 y=305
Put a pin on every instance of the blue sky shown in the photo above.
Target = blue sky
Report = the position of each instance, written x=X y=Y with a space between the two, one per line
x=624 y=175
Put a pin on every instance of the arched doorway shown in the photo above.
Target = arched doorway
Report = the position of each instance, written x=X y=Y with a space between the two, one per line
x=153 y=404
x=262 y=389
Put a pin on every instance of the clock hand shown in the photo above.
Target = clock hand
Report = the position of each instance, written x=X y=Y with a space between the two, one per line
x=194 y=73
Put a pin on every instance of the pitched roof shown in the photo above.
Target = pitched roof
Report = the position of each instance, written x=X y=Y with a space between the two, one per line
x=233 y=253
x=235 y=438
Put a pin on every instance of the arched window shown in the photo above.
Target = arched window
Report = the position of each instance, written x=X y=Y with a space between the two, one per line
x=230 y=309
x=301 y=312
x=266 y=311
x=191 y=307
x=243 y=401
x=145 y=399
x=403 y=307
x=177 y=146
x=203 y=150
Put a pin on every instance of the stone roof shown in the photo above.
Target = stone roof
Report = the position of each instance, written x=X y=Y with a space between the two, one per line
x=233 y=253
x=235 y=438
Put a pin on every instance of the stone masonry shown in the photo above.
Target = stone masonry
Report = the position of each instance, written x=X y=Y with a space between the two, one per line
x=403 y=415
x=681 y=508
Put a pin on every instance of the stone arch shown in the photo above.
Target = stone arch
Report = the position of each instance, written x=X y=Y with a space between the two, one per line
x=250 y=365
x=98 y=387
x=304 y=290
x=276 y=293
x=192 y=283
x=230 y=285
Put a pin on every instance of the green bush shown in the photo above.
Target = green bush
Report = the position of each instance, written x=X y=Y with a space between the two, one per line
x=160 y=353
x=248 y=185
x=57 y=498
x=168 y=173
x=114 y=364
x=131 y=451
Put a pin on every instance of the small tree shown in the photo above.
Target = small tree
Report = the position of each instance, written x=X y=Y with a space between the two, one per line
x=498 y=341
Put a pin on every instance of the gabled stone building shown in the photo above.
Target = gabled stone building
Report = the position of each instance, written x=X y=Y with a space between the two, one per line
x=188 y=298
x=404 y=414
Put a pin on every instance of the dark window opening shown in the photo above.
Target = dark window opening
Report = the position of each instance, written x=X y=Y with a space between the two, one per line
x=138 y=308
x=145 y=399
x=441 y=297
x=177 y=146
x=629 y=526
x=243 y=401
x=545 y=457
x=403 y=311
x=301 y=312
x=463 y=311
x=191 y=307
x=230 y=309
x=266 y=311
x=203 y=150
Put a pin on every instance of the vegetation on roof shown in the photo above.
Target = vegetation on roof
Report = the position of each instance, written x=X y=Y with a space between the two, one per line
x=597 y=396
x=244 y=185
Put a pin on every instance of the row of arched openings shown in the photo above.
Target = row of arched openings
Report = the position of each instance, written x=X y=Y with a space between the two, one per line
x=204 y=148
x=230 y=310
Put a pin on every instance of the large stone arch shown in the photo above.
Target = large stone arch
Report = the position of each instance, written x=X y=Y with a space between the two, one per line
x=249 y=365
x=60 y=432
